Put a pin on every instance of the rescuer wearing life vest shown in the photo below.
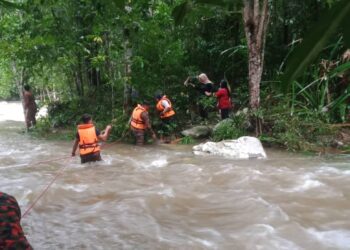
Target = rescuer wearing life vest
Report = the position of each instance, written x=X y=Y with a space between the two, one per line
x=140 y=123
x=166 y=113
x=87 y=139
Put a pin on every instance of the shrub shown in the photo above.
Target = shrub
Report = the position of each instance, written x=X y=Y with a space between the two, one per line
x=187 y=140
x=230 y=128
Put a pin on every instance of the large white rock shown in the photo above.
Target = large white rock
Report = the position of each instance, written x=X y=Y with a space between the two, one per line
x=245 y=147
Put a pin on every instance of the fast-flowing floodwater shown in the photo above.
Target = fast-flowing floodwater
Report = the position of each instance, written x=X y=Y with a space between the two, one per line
x=164 y=197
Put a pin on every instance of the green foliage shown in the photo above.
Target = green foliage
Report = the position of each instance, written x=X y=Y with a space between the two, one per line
x=187 y=140
x=337 y=16
x=295 y=131
x=10 y=5
x=63 y=114
x=7 y=91
x=208 y=103
x=120 y=126
x=43 y=126
x=79 y=57
x=44 y=129
x=230 y=128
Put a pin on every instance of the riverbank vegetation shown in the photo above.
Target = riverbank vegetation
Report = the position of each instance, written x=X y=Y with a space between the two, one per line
x=287 y=63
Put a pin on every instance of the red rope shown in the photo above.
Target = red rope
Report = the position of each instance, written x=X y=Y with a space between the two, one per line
x=45 y=190
x=54 y=179
x=56 y=159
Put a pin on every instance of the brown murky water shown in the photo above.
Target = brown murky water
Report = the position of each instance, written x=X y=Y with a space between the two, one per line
x=164 y=197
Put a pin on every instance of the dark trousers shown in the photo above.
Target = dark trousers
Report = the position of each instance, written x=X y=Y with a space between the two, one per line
x=168 y=127
x=203 y=112
x=139 y=136
x=224 y=113
x=91 y=157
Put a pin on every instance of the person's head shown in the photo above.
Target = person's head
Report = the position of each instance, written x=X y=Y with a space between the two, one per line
x=146 y=105
x=223 y=84
x=26 y=87
x=86 y=118
x=203 y=78
x=158 y=96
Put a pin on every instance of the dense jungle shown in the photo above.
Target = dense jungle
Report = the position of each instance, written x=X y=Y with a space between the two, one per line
x=287 y=64
x=239 y=109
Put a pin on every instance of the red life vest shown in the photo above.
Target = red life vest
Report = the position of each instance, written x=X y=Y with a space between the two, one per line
x=160 y=108
x=88 y=142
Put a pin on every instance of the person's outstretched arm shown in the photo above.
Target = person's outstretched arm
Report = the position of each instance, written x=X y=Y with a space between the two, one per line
x=105 y=134
x=188 y=82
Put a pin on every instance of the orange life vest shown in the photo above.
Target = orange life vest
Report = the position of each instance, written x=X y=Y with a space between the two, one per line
x=88 y=142
x=136 y=119
x=160 y=108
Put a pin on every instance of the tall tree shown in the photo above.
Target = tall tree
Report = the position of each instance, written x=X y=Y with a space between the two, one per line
x=256 y=19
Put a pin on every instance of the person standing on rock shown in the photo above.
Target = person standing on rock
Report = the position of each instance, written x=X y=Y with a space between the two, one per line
x=223 y=96
x=29 y=106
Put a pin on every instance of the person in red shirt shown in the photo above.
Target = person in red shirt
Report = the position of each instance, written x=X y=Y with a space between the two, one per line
x=223 y=96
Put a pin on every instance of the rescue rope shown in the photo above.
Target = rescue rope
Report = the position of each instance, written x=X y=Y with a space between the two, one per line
x=35 y=163
x=45 y=190
x=56 y=159
x=55 y=177
x=58 y=174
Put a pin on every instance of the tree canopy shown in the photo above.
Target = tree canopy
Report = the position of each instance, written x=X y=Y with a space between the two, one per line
x=103 y=56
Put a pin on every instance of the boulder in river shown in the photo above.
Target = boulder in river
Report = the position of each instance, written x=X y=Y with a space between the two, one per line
x=197 y=132
x=245 y=147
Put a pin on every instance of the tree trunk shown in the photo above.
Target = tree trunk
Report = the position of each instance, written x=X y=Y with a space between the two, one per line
x=255 y=18
x=20 y=78
x=255 y=73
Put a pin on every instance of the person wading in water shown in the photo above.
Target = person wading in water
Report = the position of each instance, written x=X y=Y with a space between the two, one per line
x=87 y=139
x=140 y=123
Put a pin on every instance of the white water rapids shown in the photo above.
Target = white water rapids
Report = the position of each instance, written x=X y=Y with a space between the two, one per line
x=164 y=197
